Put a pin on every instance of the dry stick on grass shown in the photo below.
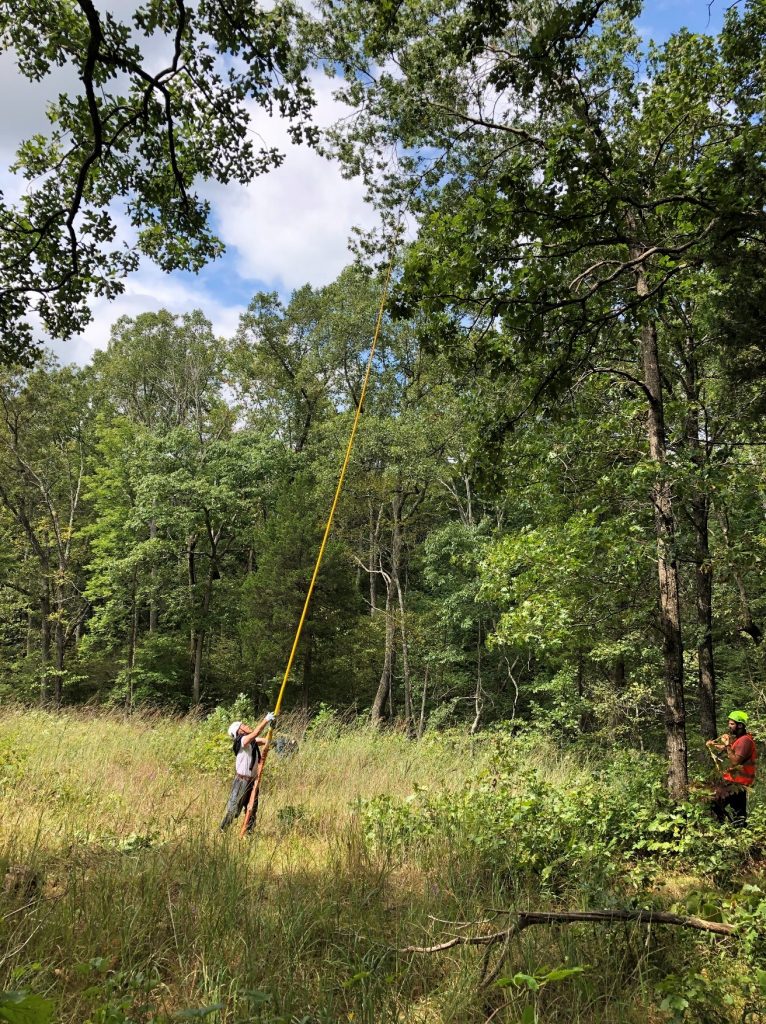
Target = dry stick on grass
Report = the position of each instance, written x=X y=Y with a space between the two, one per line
x=530 y=917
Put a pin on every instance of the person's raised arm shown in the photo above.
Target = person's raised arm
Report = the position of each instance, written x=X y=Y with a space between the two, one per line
x=248 y=738
x=719 y=744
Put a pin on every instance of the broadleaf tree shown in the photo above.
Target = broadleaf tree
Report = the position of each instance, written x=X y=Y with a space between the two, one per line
x=159 y=104
x=566 y=183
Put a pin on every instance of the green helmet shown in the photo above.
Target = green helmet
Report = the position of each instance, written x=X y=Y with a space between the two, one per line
x=738 y=716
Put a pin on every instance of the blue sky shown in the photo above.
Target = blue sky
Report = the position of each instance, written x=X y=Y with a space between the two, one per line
x=663 y=17
x=285 y=229
x=229 y=279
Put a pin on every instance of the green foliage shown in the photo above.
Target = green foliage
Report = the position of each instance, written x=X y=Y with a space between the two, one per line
x=25 y=1008
x=534 y=983
x=124 y=997
x=716 y=995
x=240 y=710
x=324 y=721
x=566 y=259
x=128 y=138
x=609 y=814
x=13 y=761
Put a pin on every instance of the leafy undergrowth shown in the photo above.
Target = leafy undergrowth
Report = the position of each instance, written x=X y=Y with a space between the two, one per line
x=122 y=903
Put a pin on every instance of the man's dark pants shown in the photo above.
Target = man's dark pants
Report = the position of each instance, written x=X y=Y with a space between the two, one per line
x=238 y=800
x=730 y=804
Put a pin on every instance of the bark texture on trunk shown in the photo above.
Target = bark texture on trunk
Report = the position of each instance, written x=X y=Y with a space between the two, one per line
x=406 y=674
x=747 y=623
x=699 y=514
x=132 y=645
x=199 y=640
x=667 y=567
x=153 y=615
x=374 y=540
x=703 y=581
x=377 y=716
x=59 y=648
x=422 y=722
x=385 y=686
x=396 y=581
x=45 y=645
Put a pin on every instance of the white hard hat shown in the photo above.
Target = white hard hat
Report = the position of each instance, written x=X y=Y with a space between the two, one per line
x=234 y=729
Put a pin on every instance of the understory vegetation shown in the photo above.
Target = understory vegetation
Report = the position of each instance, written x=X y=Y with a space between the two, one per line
x=123 y=903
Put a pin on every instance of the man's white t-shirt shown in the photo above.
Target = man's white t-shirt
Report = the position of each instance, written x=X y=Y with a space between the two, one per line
x=244 y=757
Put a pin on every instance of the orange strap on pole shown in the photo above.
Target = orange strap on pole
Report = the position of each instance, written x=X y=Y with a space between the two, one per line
x=323 y=545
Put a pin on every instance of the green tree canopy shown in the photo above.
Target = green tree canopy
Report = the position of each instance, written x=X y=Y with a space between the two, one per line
x=136 y=140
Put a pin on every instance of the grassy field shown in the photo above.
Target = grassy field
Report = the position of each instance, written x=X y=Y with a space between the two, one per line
x=123 y=902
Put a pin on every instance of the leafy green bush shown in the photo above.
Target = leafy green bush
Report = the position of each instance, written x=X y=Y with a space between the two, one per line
x=592 y=819
x=12 y=762
x=221 y=717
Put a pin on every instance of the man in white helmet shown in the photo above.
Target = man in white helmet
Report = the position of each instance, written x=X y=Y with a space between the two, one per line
x=246 y=747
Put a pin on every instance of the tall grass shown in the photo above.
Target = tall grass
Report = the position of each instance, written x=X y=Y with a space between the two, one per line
x=124 y=902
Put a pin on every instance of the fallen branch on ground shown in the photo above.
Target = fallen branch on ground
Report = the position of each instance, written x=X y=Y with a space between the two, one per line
x=529 y=917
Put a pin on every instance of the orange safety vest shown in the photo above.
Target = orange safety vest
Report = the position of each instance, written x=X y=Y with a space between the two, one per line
x=743 y=774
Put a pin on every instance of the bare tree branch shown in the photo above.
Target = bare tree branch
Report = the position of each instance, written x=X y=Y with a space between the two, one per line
x=527 y=918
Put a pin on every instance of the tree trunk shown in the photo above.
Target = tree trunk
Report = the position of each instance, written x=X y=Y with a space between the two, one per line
x=478 y=697
x=468 y=500
x=391 y=712
x=667 y=568
x=619 y=675
x=707 y=680
x=699 y=514
x=396 y=579
x=308 y=641
x=422 y=722
x=58 y=678
x=747 y=623
x=384 y=686
x=199 y=638
x=59 y=634
x=30 y=630
x=374 y=535
x=153 y=616
x=132 y=643
x=585 y=722
x=406 y=675
x=703 y=579
x=514 y=682
x=45 y=644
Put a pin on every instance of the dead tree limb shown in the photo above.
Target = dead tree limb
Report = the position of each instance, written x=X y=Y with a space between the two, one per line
x=530 y=917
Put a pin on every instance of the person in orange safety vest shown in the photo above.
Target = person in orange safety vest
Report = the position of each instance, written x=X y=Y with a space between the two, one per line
x=742 y=754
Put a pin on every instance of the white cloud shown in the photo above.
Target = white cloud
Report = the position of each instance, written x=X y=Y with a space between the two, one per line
x=285 y=229
x=288 y=227
x=148 y=290
x=292 y=225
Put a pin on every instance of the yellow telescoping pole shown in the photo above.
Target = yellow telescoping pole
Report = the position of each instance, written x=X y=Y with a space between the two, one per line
x=323 y=545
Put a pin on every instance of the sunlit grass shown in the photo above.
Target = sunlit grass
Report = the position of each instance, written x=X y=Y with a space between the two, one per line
x=124 y=902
